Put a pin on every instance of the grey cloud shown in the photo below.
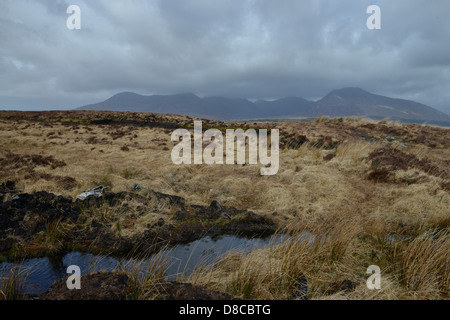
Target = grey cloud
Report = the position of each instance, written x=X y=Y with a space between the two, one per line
x=248 y=48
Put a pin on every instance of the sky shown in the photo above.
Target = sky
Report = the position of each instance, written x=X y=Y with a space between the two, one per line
x=255 y=49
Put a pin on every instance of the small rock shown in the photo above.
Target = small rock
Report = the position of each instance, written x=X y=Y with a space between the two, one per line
x=329 y=156
x=160 y=222
x=8 y=187
x=215 y=205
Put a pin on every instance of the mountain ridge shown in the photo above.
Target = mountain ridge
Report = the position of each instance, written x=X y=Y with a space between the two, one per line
x=344 y=102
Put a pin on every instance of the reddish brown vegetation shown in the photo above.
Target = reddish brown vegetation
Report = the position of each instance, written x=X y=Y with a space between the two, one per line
x=385 y=160
x=13 y=160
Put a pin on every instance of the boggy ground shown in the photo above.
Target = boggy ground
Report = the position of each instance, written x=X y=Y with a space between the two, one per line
x=43 y=223
x=116 y=286
x=374 y=193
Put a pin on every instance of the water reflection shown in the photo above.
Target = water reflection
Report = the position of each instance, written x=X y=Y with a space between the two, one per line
x=42 y=272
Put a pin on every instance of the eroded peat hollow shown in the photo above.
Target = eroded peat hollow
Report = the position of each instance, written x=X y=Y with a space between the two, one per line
x=369 y=193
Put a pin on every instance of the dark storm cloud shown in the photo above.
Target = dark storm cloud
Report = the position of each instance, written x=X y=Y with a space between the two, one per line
x=247 y=48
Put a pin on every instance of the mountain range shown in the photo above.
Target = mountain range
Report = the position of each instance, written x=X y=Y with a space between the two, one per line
x=346 y=102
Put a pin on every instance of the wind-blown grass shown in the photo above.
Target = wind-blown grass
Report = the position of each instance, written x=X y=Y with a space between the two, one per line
x=12 y=283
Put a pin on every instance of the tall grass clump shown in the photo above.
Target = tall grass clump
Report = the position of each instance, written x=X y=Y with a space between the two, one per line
x=143 y=274
x=276 y=271
x=12 y=284
x=425 y=264
x=54 y=234
x=51 y=239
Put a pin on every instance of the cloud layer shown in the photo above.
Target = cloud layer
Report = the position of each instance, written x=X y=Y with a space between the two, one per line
x=246 y=48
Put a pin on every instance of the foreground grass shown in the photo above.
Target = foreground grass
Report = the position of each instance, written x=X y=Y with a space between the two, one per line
x=400 y=224
x=12 y=284
x=334 y=260
x=143 y=274
x=333 y=257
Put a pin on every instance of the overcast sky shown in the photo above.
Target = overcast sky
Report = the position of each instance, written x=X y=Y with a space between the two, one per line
x=234 y=48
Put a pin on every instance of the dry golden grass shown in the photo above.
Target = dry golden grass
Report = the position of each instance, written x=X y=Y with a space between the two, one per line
x=12 y=284
x=425 y=264
x=411 y=269
x=143 y=274
x=357 y=218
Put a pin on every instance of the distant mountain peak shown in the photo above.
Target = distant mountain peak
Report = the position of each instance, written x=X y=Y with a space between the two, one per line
x=353 y=101
x=126 y=93
x=344 y=102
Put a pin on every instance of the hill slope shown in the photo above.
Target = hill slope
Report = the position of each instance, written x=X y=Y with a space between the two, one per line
x=183 y=104
x=357 y=102
x=344 y=102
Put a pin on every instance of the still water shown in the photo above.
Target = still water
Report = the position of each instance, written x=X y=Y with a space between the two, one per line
x=42 y=272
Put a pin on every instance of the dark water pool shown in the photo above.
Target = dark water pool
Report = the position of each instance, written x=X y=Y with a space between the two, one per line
x=42 y=272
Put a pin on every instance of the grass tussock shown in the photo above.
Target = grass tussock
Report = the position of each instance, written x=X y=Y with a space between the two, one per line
x=144 y=274
x=49 y=241
x=334 y=261
x=425 y=264
x=12 y=284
